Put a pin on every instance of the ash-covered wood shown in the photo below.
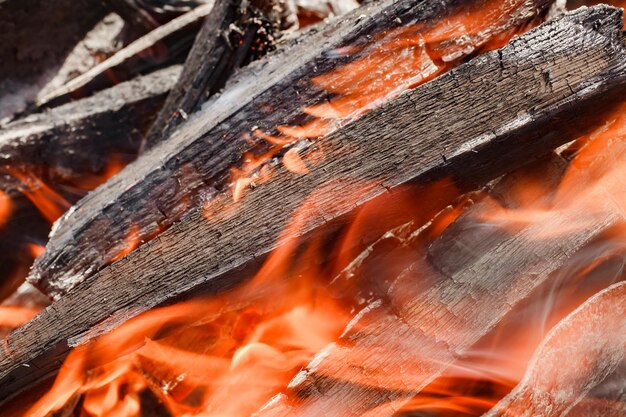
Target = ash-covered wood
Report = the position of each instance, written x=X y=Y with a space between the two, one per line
x=195 y=162
x=165 y=45
x=212 y=248
x=233 y=34
x=80 y=137
x=575 y=357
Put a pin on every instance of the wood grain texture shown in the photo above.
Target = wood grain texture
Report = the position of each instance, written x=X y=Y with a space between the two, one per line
x=79 y=138
x=582 y=52
x=416 y=325
x=195 y=162
x=576 y=356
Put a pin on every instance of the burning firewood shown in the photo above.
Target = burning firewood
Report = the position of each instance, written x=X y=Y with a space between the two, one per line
x=211 y=248
x=481 y=267
x=158 y=48
x=78 y=138
x=233 y=34
x=198 y=158
x=576 y=356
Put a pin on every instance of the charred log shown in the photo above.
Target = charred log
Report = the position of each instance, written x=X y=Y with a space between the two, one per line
x=233 y=34
x=79 y=138
x=165 y=45
x=195 y=162
x=468 y=280
x=215 y=247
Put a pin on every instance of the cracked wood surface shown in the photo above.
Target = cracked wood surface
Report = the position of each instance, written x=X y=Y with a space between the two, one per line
x=194 y=164
x=470 y=278
x=583 y=52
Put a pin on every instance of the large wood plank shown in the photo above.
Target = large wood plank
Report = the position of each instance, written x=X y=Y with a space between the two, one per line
x=441 y=121
x=196 y=161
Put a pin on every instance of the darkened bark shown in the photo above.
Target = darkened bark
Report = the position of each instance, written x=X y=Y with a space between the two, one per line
x=196 y=161
x=234 y=33
x=440 y=121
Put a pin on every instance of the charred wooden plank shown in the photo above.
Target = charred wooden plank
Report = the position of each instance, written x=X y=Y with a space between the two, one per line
x=79 y=138
x=576 y=356
x=211 y=248
x=232 y=35
x=163 y=46
x=196 y=161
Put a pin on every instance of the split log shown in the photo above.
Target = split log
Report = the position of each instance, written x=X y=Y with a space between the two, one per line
x=35 y=45
x=165 y=45
x=576 y=356
x=78 y=138
x=196 y=161
x=233 y=34
x=440 y=121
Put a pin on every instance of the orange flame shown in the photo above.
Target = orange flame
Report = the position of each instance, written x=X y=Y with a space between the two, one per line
x=132 y=242
x=6 y=207
x=35 y=249
x=293 y=162
x=393 y=62
x=50 y=204
x=15 y=316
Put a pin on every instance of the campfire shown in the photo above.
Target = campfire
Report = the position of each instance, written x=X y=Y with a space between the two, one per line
x=280 y=208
